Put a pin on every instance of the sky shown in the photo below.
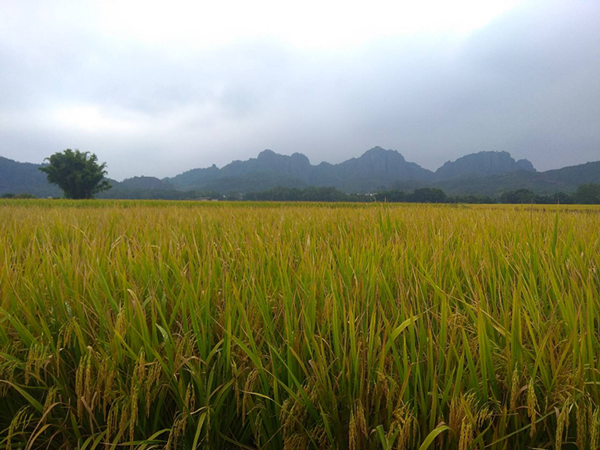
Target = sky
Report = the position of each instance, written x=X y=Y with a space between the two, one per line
x=157 y=88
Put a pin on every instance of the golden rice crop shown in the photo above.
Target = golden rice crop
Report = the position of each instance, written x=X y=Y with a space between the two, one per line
x=214 y=325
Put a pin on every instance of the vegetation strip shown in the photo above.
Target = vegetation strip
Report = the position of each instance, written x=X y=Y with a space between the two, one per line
x=276 y=325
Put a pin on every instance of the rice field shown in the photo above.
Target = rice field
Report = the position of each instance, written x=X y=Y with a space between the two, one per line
x=298 y=326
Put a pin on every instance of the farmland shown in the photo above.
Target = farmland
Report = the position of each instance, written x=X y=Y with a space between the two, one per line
x=216 y=325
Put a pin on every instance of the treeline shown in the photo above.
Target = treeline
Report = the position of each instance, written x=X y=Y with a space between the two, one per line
x=17 y=196
x=309 y=194
x=159 y=194
x=585 y=194
x=330 y=194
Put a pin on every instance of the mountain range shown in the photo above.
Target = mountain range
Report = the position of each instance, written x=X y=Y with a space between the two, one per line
x=484 y=173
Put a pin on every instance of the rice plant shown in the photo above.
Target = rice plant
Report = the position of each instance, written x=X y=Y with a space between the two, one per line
x=279 y=326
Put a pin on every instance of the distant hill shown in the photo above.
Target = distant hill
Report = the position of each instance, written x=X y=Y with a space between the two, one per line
x=267 y=171
x=24 y=178
x=374 y=169
x=575 y=175
x=559 y=180
x=138 y=188
x=483 y=173
x=150 y=183
x=482 y=164
x=251 y=182
x=495 y=185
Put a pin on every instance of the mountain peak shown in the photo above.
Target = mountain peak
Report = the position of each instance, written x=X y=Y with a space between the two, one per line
x=483 y=164
x=144 y=182
x=379 y=152
x=378 y=167
x=525 y=164
x=267 y=154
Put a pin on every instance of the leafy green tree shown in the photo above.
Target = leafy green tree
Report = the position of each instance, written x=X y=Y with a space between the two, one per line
x=428 y=195
x=518 y=196
x=77 y=173
x=588 y=194
x=562 y=198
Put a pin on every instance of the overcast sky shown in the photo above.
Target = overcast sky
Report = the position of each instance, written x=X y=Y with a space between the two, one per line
x=157 y=88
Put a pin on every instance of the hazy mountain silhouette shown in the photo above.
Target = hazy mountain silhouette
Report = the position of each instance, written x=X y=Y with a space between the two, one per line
x=24 y=178
x=485 y=173
x=375 y=168
x=482 y=164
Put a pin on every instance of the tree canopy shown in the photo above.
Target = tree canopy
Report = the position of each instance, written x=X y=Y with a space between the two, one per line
x=77 y=173
x=588 y=194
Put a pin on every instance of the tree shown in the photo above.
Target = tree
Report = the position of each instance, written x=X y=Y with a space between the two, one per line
x=562 y=198
x=428 y=195
x=588 y=194
x=77 y=173
x=518 y=196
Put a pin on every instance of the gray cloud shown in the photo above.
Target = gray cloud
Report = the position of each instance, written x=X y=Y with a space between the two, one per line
x=526 y=83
